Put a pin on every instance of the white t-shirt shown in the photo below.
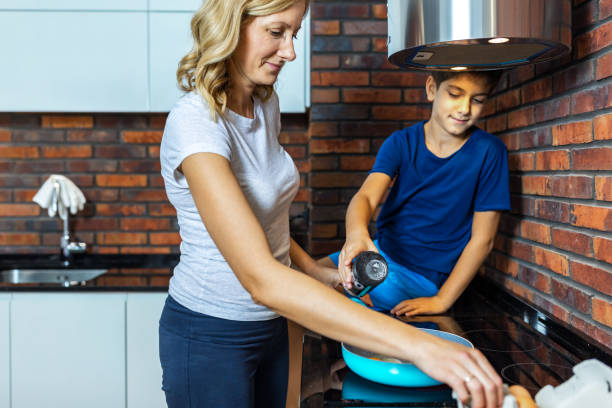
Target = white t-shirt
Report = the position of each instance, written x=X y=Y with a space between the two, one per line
x=203 y=280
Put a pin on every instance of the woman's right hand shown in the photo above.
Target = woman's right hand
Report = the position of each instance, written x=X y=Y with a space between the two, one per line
x=352 y=247
x=465 y=370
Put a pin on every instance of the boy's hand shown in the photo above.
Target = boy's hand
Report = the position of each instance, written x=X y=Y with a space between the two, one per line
x=420 y=306
x=352 y=247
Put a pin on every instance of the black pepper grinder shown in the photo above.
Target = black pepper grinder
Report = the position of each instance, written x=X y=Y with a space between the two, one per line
x=369 y=270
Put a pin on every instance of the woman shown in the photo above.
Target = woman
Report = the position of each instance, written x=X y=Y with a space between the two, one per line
x=222 y=341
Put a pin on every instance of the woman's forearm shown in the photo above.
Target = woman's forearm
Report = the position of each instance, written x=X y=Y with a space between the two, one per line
x=324 y=310
x=241 y=239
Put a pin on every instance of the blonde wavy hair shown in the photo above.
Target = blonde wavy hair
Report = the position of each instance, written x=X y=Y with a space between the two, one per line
x=215 y=28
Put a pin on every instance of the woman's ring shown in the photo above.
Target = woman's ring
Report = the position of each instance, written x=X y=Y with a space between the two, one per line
x=468 y=378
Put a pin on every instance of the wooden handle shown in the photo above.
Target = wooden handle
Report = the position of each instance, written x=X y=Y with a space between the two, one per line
x=522 y=396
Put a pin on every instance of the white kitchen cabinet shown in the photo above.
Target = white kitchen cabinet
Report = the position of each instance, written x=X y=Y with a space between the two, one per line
x=5 y=362
x=68 y=350
x=115 y=56
x=73 y=61
x=170 y=36
x=170 y=39
x=175 y=5
x=144 y=372
x=73 y=5
x=293 y=83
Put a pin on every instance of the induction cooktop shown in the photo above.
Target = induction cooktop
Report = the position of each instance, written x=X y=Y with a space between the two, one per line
x=525 y=346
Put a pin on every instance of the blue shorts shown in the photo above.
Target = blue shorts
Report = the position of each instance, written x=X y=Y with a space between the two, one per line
x=212 y=362
x=401 y=284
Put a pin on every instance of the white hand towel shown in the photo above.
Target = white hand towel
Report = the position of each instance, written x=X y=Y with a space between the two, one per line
x=69 y=196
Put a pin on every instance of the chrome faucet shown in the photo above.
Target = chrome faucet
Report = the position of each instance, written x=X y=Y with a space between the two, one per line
x=68 y=247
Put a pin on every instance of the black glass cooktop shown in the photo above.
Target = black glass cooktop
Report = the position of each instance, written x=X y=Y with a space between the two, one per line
x=525 y=346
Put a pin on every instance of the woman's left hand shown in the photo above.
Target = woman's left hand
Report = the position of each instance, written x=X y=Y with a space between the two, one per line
x=420 y=306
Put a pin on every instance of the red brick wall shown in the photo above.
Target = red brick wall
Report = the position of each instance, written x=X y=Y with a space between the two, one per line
x=114 y=159
x=554 y=248
x=358 y=99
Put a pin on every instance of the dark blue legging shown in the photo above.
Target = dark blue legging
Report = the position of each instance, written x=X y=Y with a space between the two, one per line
x=213 y=362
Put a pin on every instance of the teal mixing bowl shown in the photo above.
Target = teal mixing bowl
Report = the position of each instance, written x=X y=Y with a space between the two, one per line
x=401 y=374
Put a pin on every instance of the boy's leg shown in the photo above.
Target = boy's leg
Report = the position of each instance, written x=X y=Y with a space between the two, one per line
x=401 y=284
x=327 y=261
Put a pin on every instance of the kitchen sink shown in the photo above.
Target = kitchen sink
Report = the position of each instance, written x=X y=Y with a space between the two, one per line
x=64 y=277
x=57 y=269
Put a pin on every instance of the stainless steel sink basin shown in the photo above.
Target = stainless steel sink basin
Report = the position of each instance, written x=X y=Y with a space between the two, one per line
x=64 y=277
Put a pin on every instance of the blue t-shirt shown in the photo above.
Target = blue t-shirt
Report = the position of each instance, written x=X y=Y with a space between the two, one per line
x=426 y=220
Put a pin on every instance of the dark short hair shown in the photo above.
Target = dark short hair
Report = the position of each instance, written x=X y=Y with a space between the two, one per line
x=491 y=77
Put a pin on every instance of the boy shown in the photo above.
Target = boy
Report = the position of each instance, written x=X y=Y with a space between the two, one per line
x=438 y=223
